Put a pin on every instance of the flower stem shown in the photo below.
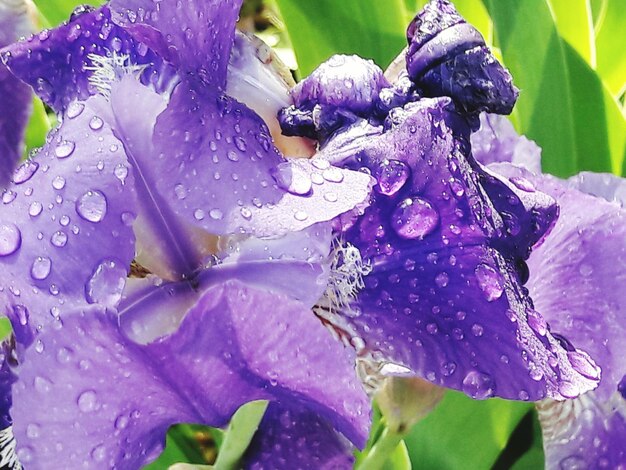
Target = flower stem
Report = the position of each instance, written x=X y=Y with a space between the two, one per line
x=381 y=451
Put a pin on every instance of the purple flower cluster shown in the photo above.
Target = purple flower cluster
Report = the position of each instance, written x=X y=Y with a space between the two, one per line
x=161 y=261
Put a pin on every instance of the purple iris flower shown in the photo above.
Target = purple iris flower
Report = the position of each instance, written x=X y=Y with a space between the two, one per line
x=576 y=281
x=16 y=96
x=438 y=259
x=160 y=257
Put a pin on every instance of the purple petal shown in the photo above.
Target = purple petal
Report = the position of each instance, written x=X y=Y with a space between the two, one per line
x=448 y=57
x=293 y=438
x=444 y=296
x=497 y=141
x=604 y=185
x=588 y=432
x=577 y=275
x=166 y=245
x=65 y=234
x=198 y=374
x=7 y=378
x=57 y=63
x=252 y=188
x=196 y=36
x=16 y=97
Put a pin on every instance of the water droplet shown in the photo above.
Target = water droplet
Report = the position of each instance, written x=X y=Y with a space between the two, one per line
x=216 y=214
x=106 y=284
x=64 y=355
x=232 y=156
x=180 y=191
x=442 y=279
x=75 y=109
x=333 y=175
x=59 y=239
x=477 y=330
x=25 y=172
x=39 y=346
x=41 y=268
x=121 y=172
x=8 y=196
x=583 y=365
x=35 y=209
x=478 y=385
x=121 y=422
x=99 y=453
x=292 y=179
x=414 y=218
x=301 y=216
x=65 y=149
x=246 y=213
x=199 y=214
x=489 y=281
x=96 y=123
x=536 y=322
x=568 y=389
x=92 y=206
x=240 y=143
x=58 y=183
x=523 y=184
x=42 y=385
x=585 y=269
x=448 y=368
x=391 y=176
x=87 y=401
x=10 y=239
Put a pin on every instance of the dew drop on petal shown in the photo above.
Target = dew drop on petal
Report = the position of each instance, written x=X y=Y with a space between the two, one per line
x=522 y=184
x=35 y=209
x=87 y=401
x=478 y=385
x=92 y=206
x=96 y=123
x=414 y=218
x=292 y=179
x=25 y=172
x=99 y=453
x=58 y=183
x=216 y=214
x=10 y=239
x=568 y=389
x=121 y=172
x=64 y=149
x=41 y=267
x=74 y=110
x=536 y=322
x=333 y=175
x=106 y=284
x=489 y=281
x=59 y=239
x=391 y=177
x=583 y=365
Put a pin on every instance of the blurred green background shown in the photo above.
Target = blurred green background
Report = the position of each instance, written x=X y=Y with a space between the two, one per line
x=568 y=57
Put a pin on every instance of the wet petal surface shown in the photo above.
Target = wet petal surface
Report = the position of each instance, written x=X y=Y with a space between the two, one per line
x=65 y=223
x=57 y=63
x=295 y=438
x=196 y=375
x=444 y=296
x=252 y=188
x=196 y=36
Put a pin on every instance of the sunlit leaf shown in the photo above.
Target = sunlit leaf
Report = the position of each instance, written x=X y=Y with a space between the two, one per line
x=58 y=11
x=38 y=126
x=610 y=46
x=562 y=105
x=399 y=459
x=464 y=433
x=574 y=21
x=321 y=28
x=181 y=445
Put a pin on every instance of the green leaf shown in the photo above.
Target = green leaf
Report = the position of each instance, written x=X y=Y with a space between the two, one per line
x=5 y=328
x=563 y=104
x=58 y=11
x=239 y=433
x=399 y=459
x=181 y=445
x=464 y=433
x=610 y=40
x=38 y=126
x=318 y=29
x=574 y=22
x=535 y=457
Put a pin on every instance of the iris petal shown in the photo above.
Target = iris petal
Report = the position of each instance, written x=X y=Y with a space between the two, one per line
x=295 y=438
x=445 y=296
x=66 y=233
x=197 y=374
